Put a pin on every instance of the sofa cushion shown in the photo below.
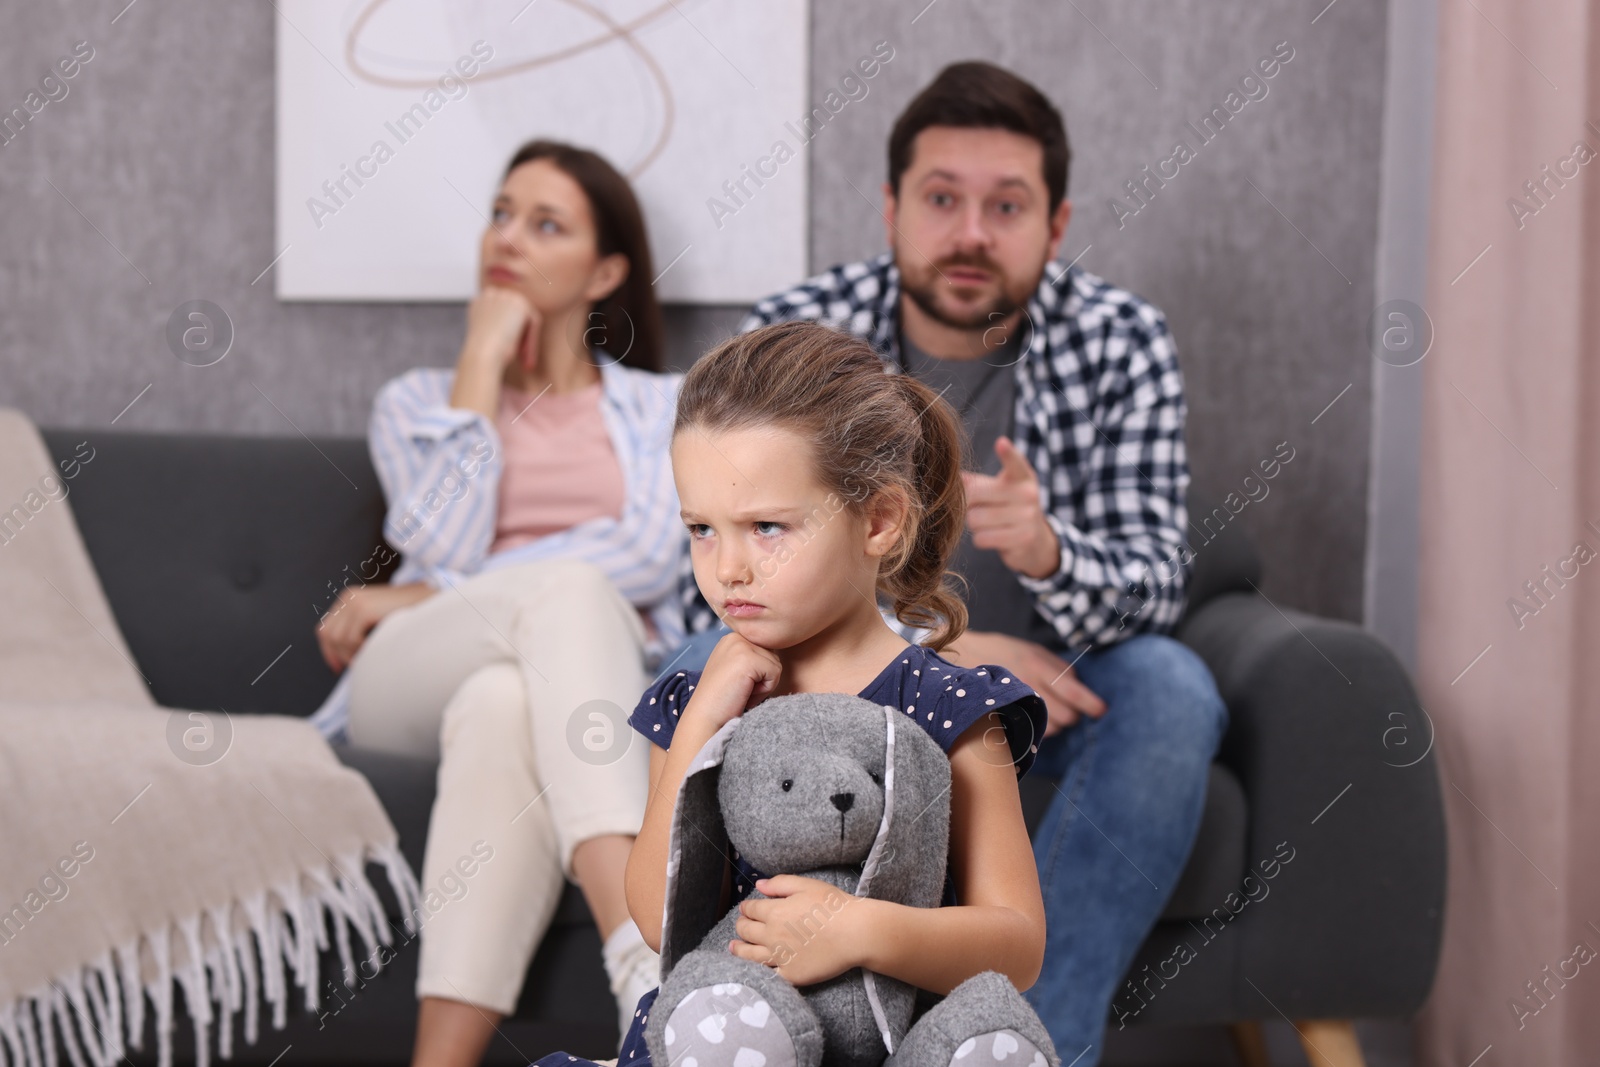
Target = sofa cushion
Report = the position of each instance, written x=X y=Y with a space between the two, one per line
x=219 y=554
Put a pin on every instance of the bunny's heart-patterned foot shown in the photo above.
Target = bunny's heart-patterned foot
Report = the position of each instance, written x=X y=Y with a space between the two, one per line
x=983 y=1022
x=998 y=1047
x=728 y=1025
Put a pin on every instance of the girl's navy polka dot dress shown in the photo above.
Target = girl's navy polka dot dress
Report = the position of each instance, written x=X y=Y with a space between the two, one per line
x=937 y=695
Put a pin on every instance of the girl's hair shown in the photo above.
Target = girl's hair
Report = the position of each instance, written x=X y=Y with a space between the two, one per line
x=870 y=431
x=630 y=315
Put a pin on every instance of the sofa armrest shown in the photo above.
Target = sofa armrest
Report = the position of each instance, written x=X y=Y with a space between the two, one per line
x=1336 y=758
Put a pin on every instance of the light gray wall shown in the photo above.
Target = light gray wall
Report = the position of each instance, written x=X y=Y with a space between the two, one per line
x=1393 y=515
x=161 y=158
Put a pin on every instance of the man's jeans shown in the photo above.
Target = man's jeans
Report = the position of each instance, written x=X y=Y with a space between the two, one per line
x=1130 y=790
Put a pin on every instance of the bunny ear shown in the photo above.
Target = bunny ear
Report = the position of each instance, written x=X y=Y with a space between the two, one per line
x=907 y=860
x=697 y=854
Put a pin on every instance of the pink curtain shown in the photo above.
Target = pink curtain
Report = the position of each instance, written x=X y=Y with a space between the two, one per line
x=1509 y=642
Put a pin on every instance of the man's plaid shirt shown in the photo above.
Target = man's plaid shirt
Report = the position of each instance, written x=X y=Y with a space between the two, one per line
x=1099 y=414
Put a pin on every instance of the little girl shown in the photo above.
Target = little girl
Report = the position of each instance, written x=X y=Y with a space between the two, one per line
x=811 y=480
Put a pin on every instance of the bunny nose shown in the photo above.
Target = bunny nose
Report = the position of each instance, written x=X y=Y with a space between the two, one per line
x=843 y=801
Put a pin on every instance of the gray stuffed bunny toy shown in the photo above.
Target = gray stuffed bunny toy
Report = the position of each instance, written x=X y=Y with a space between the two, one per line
x=833 y=787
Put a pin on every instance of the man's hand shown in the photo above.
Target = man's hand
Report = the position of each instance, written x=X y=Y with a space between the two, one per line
x=344 y=628
x=1004 y=514
x=807 y=931
x=1041 y=670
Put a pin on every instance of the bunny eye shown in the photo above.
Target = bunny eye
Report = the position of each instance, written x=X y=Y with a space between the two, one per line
x=788 y=784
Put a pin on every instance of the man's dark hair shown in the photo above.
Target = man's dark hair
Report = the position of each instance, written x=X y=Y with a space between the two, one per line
x=977 y=94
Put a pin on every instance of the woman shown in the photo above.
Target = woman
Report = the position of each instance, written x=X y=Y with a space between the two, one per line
x=530 y=493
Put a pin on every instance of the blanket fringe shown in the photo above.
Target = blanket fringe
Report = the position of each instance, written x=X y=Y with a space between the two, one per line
x=232 y=956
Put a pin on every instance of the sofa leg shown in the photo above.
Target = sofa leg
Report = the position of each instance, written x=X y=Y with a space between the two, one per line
x=1250 y=1044
x=1330 y=1042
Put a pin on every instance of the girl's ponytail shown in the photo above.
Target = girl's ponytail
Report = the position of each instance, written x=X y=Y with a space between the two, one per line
x=922 y=589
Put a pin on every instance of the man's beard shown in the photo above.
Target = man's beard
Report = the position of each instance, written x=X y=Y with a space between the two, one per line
x=996 y=311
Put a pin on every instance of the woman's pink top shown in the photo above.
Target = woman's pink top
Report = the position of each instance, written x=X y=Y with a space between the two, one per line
x=559 y=466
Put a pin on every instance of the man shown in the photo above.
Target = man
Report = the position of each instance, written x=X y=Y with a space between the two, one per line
x=1074 y=553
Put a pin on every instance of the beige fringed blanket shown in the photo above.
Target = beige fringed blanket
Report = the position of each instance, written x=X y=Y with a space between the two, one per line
x=145 y=851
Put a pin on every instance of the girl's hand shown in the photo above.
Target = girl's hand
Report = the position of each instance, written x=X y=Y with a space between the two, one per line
x=738 y=675
x=502 y=327
x=343 y=630
x=808 y=932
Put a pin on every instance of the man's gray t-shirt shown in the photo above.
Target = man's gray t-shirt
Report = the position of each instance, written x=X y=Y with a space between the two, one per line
x=984 y=392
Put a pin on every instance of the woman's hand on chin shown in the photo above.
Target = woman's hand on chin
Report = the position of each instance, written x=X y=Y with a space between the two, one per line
x=358 y=609
x=502 y=329
x=500 y=323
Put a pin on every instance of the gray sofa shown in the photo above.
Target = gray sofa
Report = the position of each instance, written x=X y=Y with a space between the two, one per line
x=218 y=554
